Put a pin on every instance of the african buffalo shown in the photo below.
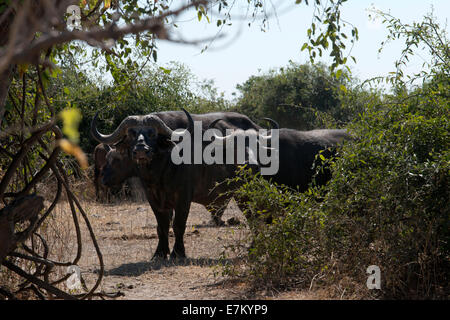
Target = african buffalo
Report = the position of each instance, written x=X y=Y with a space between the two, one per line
x=143 y=148
x=100 y=152
x=297 y=154
x=120 y=163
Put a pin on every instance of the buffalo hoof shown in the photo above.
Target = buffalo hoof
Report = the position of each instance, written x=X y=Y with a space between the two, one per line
x=159 y=257
x=177 y=257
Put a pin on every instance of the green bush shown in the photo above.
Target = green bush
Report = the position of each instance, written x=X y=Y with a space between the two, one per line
x=387 y=204
x=301 y=97
x=388 y=201
x=281 y=251
x=153 y=89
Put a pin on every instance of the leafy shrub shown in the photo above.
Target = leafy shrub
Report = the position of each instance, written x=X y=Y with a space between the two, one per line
x=301 y=97
x=388 y=201
x=280 y=251
x=386 y=205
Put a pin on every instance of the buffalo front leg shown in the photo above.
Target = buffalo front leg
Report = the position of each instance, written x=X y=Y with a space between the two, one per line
x=163 y=220
x=179 y=227
x=97 y=195
x=97 y=183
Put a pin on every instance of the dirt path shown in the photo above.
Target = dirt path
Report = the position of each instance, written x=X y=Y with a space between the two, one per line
x=127 y=237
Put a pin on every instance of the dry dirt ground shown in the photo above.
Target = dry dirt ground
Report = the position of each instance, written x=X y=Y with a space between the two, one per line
x=126 y=234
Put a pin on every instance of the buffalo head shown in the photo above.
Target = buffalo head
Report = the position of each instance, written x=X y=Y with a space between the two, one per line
x=263 y=141
x=118 y=167
x=139 y=138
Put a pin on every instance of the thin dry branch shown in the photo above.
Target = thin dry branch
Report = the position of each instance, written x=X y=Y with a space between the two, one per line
x=21 y=209
x=25 y=207
x=20 y=51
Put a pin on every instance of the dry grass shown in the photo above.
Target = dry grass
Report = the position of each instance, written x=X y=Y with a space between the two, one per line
x=126 y=234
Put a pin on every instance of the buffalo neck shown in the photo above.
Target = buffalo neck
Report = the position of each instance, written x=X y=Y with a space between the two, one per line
x=156 y=170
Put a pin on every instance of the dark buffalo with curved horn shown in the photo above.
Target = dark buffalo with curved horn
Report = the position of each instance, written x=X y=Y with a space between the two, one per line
x=297 y=156
x=143 y=148
x=119 y=163
x=177 y=119
x=297 y=152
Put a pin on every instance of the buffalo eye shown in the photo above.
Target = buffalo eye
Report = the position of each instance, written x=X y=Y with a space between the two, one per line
x=150 y=132
x=132 y=132
x=165 y=143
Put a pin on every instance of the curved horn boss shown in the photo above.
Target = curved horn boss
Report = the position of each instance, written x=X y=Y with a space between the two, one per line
x=118 y=134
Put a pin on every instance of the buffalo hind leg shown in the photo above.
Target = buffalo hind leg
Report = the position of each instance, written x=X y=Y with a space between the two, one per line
x=217 y=209
x=216 y=216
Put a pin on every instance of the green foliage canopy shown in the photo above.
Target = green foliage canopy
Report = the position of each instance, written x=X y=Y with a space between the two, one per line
x=298 y=96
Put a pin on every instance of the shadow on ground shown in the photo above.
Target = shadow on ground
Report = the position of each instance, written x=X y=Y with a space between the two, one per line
x=139 y=268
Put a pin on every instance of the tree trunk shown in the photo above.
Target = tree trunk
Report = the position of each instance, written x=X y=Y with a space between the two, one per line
x=5 y=81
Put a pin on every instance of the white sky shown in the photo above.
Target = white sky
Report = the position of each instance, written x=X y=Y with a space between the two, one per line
x=249 y=51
